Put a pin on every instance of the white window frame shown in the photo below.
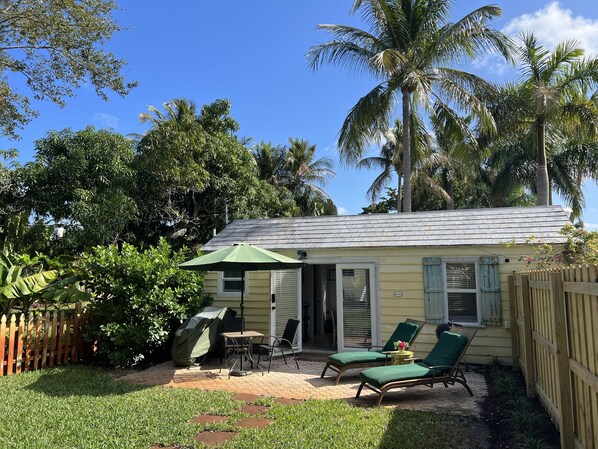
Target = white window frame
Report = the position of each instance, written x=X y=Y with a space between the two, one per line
x=222 y=292
x=476 y=263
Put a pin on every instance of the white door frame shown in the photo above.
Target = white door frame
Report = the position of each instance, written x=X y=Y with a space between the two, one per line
x=374 y=298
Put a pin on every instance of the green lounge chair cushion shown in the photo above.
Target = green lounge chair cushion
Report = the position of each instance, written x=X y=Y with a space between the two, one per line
x=447 y=350
x=348 y=358
x=403 y=332
x=384 y=374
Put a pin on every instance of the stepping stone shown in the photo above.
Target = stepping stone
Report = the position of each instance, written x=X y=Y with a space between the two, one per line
x=254 y=409
x=288 y=401
x=254 y=423
x=246 y=397
x=208 y=419
x=210 y=438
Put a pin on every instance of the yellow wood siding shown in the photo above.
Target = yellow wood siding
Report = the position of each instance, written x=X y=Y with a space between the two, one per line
x=257 y=299
x=400 y=269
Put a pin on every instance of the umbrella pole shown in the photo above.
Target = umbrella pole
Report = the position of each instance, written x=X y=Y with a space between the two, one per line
x=242 y=303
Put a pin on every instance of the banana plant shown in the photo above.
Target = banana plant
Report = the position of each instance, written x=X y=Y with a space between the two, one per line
x=25 y=281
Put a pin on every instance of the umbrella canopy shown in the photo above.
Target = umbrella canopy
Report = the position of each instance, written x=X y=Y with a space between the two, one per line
x=241 y=257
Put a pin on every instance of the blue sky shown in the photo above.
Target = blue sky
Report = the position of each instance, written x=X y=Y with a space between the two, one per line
x=252 y=53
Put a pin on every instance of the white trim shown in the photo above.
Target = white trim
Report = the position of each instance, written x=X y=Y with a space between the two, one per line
x=374 y=306
x=221 y=291
x=476 y=263
x=328 y=260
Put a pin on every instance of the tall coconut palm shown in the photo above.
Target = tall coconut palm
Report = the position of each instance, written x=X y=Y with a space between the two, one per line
x=550 y=85
x=307 y=176
x=270 y=161
x=406 y=48
x=390 y=158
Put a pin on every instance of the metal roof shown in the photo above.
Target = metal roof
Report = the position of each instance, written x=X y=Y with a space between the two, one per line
x=436 y=228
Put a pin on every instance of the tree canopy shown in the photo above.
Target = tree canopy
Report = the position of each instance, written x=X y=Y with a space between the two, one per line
x=50 y=48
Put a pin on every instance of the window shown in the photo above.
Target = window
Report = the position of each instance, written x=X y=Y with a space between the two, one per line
x=229 y=283
x=461 y=291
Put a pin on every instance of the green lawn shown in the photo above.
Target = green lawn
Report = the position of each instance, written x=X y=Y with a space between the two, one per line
x=79 y=407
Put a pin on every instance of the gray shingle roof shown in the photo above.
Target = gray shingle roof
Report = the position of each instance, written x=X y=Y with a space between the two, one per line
x=437 y=228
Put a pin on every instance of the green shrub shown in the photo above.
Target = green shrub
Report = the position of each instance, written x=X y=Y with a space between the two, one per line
x=139 y=298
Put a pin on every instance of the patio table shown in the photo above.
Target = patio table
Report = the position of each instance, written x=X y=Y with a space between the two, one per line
x=241 y=344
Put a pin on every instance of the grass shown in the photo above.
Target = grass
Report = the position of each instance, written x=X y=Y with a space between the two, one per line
x=82 y=407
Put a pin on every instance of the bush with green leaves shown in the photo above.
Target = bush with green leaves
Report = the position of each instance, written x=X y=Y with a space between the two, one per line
x=138 y=300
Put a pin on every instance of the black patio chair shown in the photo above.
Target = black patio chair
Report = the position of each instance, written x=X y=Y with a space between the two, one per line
x=281 y=343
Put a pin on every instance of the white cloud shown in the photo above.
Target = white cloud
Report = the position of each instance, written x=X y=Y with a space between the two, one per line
x=591 y=226
x=493 y=63
x=104 y=120
x=342 y=210
x=553 y=24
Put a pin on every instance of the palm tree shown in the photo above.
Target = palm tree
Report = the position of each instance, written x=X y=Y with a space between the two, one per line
x=390 y=158
x=408 y=44
x=306 y=177
x=550 y=86
x=270 y=161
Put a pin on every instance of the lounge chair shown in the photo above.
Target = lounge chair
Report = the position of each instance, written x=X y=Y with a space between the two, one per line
x=440 y=366
x=343 y=361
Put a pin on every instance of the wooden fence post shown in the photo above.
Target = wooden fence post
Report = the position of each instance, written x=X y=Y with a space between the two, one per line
x=12 y=330
x=20 y=341
x=530 y=371
x=567 y=427
x=514 y=327
x=2 y=343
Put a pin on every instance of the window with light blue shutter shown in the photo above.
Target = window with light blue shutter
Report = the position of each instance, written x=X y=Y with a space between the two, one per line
x=433 y=290
x=467 y=289
x=490 y=291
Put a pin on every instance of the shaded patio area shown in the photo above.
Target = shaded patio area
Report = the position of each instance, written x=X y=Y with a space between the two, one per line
x=285 y=381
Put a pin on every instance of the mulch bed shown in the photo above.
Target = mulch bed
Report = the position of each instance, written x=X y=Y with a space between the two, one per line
x=495 y=414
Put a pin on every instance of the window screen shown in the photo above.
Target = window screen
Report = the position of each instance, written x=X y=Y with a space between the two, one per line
x=462 y=291
x=231 y=281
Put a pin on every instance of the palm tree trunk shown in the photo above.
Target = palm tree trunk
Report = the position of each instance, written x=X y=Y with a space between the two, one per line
x=542 y=184
x=449 y=188
x=406 y=152
x=399 y=196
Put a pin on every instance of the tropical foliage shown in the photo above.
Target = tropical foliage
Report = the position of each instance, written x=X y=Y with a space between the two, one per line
x=30 y=281
x=55 y=55
x=83 y=183
x=548 y=122
x=295 y=169
x=138 y=298
x=406 y=47
x=193 y=174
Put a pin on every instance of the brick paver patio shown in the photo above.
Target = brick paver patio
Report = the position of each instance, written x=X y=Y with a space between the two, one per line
x=285 y=381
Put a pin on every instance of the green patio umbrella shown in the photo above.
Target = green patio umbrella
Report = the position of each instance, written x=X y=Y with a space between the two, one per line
x=241 y=257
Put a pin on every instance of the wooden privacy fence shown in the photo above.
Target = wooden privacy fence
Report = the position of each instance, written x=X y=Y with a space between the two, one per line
x=38 y=342
x=554 y=321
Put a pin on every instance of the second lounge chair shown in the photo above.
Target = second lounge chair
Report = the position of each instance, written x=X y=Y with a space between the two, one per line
x=343 y=361
x=441 y=366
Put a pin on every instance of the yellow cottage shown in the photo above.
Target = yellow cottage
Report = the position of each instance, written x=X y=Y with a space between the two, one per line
x=363 y=274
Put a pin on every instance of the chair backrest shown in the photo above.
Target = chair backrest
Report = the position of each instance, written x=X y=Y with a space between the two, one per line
x=407 y=332
x=290 y=330
x=450 y=349
x=232 y=324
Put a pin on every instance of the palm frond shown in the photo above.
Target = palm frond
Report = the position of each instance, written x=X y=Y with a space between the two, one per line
x=365 y=122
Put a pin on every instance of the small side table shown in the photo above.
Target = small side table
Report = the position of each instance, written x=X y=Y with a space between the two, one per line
x=400 y=357
x=241 y=346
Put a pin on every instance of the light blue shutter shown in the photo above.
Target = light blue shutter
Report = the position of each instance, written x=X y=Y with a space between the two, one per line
x=433 y=290
x=490 y=291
